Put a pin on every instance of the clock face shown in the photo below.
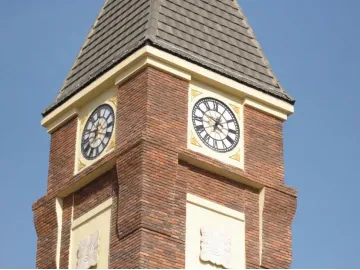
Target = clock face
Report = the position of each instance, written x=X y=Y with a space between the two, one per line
x=97 y=132
x=215 y=124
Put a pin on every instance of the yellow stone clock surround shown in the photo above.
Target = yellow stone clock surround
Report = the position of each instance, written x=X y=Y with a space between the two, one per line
x=107 y=97
x=197 y=91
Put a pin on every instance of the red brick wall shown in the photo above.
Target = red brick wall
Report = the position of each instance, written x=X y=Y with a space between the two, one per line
x=225 y=192
x=46 y=229
x=94 y=193
x=279 y=211
x=62 y=156
x=131 y=114
x=147 y=171
x=263 y=147
x=149 y=183
x=80 y=203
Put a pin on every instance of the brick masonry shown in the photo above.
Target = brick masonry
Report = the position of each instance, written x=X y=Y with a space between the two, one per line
x=149 y=183
x=62 y=156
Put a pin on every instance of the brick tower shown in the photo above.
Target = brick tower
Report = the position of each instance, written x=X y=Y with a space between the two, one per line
x=166 y=145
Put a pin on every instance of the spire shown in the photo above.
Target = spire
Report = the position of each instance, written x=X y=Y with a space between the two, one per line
x=211 y=33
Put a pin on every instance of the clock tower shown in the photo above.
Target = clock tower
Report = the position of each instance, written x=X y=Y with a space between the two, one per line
x=166 y=145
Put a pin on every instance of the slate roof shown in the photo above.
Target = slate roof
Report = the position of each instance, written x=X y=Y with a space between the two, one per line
x=212 y=33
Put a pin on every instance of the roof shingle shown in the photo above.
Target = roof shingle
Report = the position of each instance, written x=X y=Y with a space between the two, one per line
x=211 y=33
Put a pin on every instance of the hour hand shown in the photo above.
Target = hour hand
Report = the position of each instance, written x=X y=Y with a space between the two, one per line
x=212 y=119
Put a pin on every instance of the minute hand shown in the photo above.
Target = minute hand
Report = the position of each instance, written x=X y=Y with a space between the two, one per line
x=228 y=121
x=216 y=127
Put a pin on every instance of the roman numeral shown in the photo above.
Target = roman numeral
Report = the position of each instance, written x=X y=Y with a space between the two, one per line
x=200 y=128
x=206 y=103
x=216 y=144
x=216 y=105
x=232 y=131
x=86 y=147
x=197 y=118
x=108 y=134
x=87 y=132
x=207 y=138
x=111 y=123
x=103 y=144
x=95 y=152
x=199 y=108
x=230 y=140
x=86 y=141
x=96 y=116
x=110 y=114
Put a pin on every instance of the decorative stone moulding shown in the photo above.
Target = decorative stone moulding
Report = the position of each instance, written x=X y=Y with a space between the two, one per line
x=215 y=246
x=88 y=252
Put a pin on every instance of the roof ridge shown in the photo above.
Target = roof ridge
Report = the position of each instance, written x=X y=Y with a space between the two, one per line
x=152 y=29
x=84 y=44
x=259 y=48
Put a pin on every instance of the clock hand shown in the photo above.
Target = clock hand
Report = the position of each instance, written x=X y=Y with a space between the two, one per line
x=216 y=124
x=221 y=131
x=207 y=121
x=210 y=117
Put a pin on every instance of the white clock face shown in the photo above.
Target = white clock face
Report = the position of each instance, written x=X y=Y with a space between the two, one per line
x=216 y=125
x=97 y=132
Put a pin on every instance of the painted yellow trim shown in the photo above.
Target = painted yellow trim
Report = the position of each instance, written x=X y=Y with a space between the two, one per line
x=266 y=109
x=148 y=61
x=218 y=170
x=130 y=71
x=59 y=212
x=194 y=140
x=93 y=212
x=80 y=165
x=61 y=120
x=113 y=101
x=242 y=137
x=111 y=146
x=236 y=109
x=216 y=79
x=150 y=56
x=86 y=179
x=169 y=69
x=195 y=93
x=236 y=156
x=215 y=207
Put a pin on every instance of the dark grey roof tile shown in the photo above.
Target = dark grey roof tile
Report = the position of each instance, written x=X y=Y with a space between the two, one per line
x=211 y=33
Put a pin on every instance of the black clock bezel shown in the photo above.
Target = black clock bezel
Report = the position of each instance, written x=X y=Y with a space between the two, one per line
x=99 y=108
x=233 y=116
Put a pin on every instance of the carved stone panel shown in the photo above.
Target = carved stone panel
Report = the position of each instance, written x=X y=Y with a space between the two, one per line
x=88 y=252
x=215 y=246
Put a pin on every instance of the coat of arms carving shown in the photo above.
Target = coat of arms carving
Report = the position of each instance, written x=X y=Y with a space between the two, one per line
x=215 y=246
x=88 y=252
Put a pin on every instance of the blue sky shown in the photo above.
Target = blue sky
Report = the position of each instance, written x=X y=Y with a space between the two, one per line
x=313 y=47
